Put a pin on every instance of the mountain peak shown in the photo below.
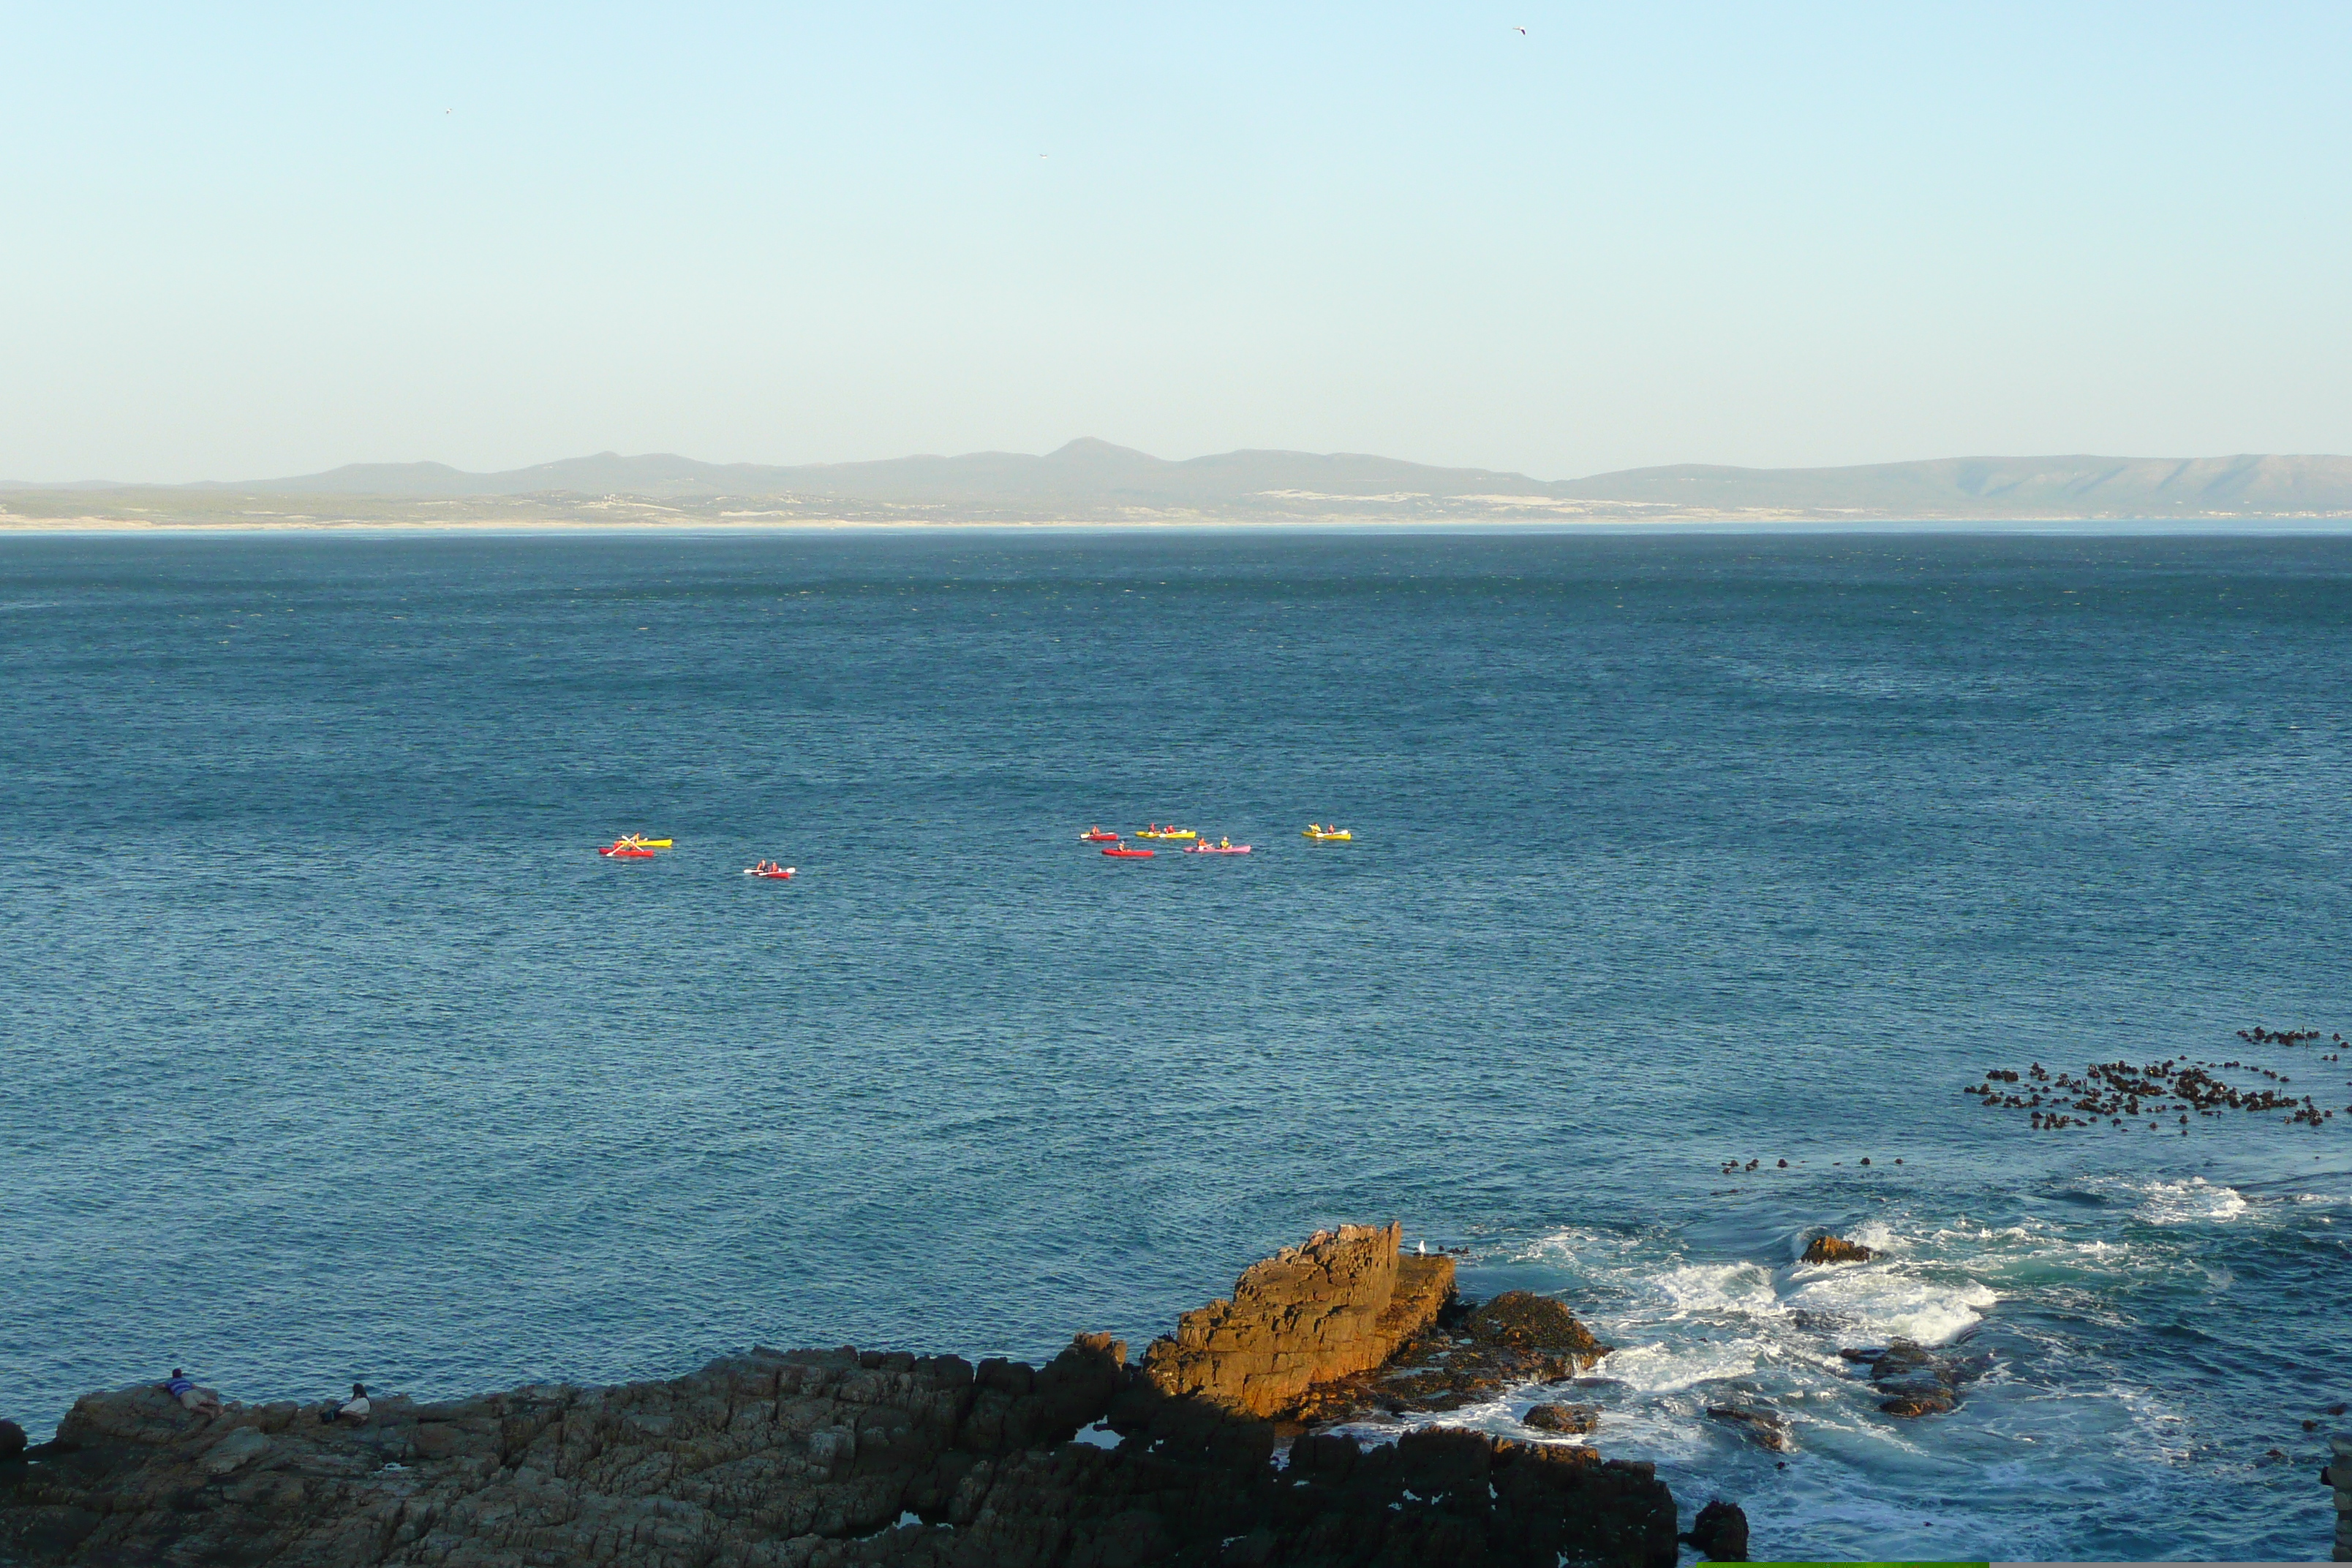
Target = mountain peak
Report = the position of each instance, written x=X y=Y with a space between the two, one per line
x=1093 y=449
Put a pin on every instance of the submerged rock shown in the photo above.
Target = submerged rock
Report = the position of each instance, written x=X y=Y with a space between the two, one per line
x=1768 y=1427
x=1920 y=1382
x=812 y=1459
x=1574 y=1419
x=1521 y=1320
x=1828 y=1248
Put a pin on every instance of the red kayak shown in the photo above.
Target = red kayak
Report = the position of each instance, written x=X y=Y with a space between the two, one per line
x=1120 y=852
x=772 y=874
x=1098 y=837
x=627 y=852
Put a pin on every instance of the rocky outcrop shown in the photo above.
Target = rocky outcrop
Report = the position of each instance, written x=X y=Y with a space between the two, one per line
x=814 y=1459
x=1466 y=1356
x=1719 y=1533
x=1339 y=1305
x=1828 y=1248
x=1917 y=1381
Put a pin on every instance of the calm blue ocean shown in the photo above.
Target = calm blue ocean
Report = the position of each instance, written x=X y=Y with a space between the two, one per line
x=330 y=1050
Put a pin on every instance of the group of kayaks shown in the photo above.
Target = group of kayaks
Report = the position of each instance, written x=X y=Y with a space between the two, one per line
x=1117 y=850
x=633 y=846
x=637 y=846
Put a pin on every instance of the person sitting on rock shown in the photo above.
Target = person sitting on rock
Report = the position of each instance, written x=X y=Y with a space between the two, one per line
x=353 y=1410
x=205 y=1402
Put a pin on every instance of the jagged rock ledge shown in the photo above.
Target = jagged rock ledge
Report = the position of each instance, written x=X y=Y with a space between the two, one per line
x=816 y=1459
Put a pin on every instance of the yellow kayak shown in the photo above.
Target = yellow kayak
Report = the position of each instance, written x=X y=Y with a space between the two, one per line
x=1167 y=833
x=1328 y=834
x=646 y=843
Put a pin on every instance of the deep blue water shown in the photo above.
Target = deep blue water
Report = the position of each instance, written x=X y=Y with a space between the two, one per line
x=330 y=1050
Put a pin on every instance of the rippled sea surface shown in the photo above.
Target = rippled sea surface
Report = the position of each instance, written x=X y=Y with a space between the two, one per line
x=332 y=1051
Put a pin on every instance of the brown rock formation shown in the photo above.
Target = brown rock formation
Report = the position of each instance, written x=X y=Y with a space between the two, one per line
x=1464 y=1358
x=1574 y=1420
x=1339 y=1305
x=814 y=1459
x=1828 y=1248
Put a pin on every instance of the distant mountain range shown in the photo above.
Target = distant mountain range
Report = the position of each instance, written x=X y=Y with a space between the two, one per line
x=1090 y=477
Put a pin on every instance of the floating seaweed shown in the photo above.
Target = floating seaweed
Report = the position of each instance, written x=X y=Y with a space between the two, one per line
x=2119 y=1091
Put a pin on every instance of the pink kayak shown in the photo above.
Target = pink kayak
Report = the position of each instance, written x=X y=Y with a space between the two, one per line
x=1216 y=849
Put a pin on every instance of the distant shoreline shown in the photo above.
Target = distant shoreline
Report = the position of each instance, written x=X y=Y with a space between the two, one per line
x=2232 y=524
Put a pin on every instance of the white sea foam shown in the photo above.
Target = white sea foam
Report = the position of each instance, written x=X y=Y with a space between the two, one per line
x=2189 y=1202
x=1659 y=1367
x=1875 y=1236
x=1569 y=1244
x=1732 y=1287
x=2054 y=1425
x=1886 y=1303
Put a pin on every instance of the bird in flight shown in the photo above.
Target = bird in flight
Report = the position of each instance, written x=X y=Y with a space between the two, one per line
x=1520 y=31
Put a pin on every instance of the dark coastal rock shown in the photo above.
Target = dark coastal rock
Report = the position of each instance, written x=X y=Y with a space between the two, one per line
x=1919 y=1382
x=12 y=1440
x=1828 y=1248
x=808 y=1459
x=1521 y=1320
x=1768 y=1428
x=1719 y=1533
x=1573 y=1419
x=1516 y=1339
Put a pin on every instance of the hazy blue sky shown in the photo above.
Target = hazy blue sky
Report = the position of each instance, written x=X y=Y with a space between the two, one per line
x=248 y=239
